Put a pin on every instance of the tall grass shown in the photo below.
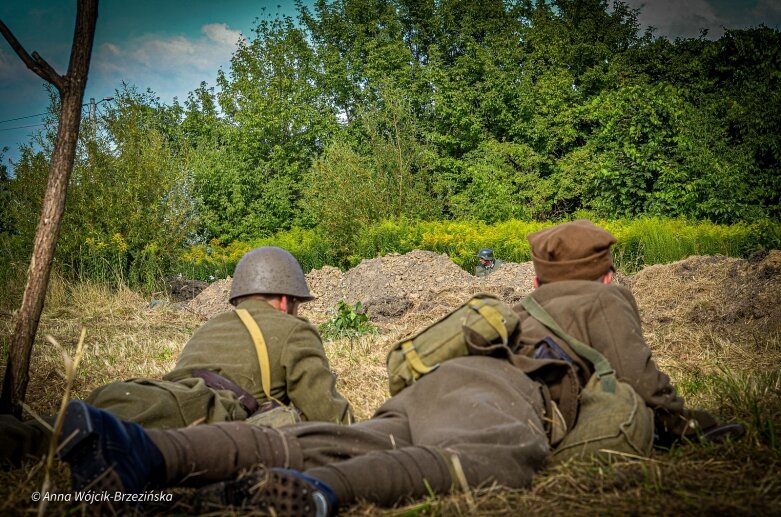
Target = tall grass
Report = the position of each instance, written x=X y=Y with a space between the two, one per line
x=647 y=241
x=641 y=242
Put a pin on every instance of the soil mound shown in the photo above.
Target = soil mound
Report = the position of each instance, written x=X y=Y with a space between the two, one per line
x=404 y=292
x=212 y=300
x=392 y=285
x=417 y=286
x=728 y=294
x=181 y=290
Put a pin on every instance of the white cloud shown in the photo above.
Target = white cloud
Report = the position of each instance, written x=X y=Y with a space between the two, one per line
x=221 y=33
x=170 y=66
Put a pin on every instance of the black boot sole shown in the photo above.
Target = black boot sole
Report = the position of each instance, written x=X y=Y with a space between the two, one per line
x=273 y=492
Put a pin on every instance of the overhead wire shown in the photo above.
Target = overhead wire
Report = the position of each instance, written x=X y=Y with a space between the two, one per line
x=21 y=118
x=22 y=127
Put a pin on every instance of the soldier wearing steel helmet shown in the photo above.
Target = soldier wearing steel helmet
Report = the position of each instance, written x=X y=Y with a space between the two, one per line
x=268 y=282
x=486 y=262
x=217 y=377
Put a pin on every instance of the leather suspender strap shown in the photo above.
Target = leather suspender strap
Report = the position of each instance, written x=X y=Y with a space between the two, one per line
x=601 y=364
x=218 y=382
x=260 y=349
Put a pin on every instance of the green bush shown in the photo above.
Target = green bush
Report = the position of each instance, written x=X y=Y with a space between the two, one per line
x=210 y=261
x=641 y=242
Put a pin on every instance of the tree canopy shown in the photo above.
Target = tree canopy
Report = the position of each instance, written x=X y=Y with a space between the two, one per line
x=358 y=111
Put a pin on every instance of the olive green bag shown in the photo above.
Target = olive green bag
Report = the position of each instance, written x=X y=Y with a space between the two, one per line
x=613 y=420
x=421 y=353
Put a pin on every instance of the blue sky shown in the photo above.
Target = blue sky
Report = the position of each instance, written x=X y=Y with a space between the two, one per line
x=170 y=46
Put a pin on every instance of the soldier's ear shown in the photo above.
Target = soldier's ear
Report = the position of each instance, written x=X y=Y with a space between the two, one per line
x=607 y=278
x=536 y=282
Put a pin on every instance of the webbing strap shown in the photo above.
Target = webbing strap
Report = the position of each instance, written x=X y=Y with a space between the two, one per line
x=601 y=364
x=260 y=349
x=492 y=316
x=412 y=357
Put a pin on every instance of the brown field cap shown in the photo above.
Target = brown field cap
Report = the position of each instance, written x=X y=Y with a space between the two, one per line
x=578 y=250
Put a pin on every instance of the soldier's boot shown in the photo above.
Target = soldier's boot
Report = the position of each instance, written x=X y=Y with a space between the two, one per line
x=105 y=453
x=282 y=492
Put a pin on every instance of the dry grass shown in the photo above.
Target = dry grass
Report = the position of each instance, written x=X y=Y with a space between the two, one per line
x=734 y=374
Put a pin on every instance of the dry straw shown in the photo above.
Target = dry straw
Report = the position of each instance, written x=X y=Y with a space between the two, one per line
x=712 y=324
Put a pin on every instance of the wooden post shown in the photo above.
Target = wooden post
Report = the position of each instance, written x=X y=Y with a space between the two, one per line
x=71 y=89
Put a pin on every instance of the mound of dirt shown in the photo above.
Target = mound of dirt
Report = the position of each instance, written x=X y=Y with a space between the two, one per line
x=181 y=290
x=327 y=285
x=212 y=300
x=729 y=294
x=390 y=286
x=404 y=292
x=417 y=286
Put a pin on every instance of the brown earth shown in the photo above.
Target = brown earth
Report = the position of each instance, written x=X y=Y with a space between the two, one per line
x=402 y=292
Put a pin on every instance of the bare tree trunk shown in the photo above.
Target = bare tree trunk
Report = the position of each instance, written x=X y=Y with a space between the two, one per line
x=71 y=89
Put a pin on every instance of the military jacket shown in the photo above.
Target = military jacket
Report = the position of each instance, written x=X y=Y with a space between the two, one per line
x=606 y=318
x=299 y=368
x=481 y=270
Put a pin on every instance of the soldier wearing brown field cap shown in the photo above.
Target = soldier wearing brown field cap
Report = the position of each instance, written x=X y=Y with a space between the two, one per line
x=574 y=274
x=473 y=421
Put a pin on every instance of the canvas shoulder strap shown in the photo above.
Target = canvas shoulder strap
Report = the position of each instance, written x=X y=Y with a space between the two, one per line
x=601 y=364
x=260 y=349
x=492 y=316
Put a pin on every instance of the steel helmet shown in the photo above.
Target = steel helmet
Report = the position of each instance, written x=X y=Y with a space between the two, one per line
x=486 y=254
x=269 y=270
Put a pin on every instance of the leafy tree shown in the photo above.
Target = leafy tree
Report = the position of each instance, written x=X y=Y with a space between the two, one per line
x=129 y=203
x=385 y=173
x=247 y=172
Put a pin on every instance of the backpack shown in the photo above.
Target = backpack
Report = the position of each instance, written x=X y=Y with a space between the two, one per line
x=483 y=315
x=613 y=420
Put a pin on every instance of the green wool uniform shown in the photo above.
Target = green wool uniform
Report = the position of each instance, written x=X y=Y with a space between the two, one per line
x=479 y=415
x=481 y=270
x=299 y=375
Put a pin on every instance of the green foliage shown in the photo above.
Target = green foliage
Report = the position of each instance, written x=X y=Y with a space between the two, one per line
x=647 y=241
x=384 y=175
x=128 y=208
x=368 y=125
x=503 y=183
x=207 y=262
x=641 y=242
x=248 y=165
x=347 y=322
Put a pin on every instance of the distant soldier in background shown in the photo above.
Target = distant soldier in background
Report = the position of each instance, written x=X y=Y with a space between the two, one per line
x=487 y=263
